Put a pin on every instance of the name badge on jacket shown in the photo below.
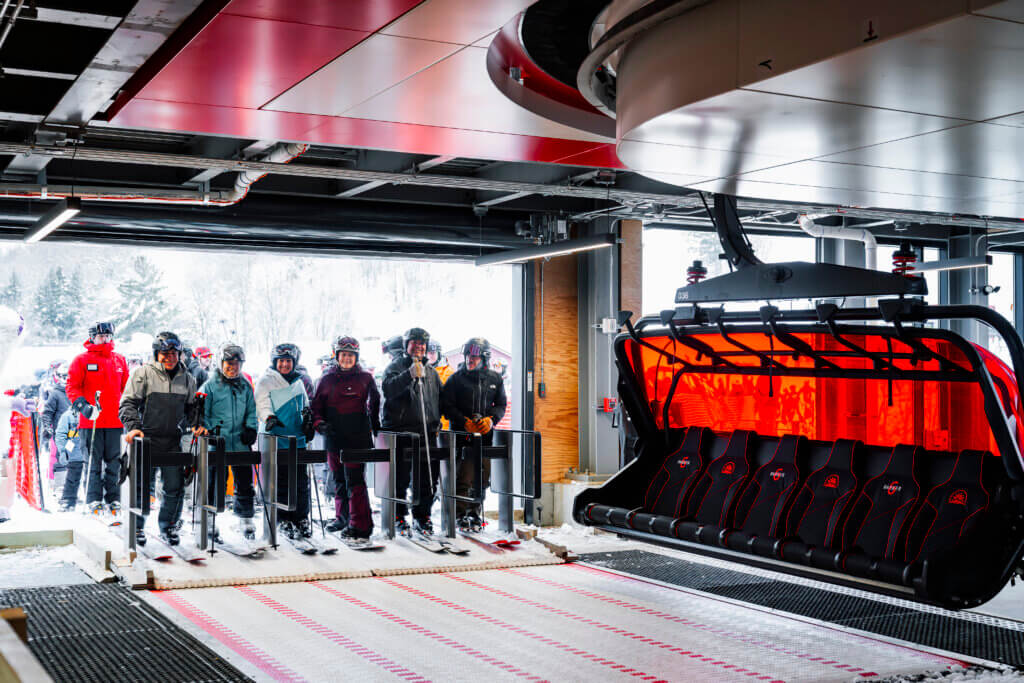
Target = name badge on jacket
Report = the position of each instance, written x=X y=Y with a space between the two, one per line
x=92 y=367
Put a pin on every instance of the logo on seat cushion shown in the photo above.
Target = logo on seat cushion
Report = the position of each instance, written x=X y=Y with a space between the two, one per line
x=729 y=467
x=778 y=474
x=684 y=462
x=893 y=487
x=831 y=481
x=958 y=497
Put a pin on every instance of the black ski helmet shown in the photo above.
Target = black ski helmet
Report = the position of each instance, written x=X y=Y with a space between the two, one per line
x=100 y=328
x=477 y=346
x=232 y=352
x=414 y=334
x=166 y=341
x=392 y=347
x=285 y=350
x=345 y=343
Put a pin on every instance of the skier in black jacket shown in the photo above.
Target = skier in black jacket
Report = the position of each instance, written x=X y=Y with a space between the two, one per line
x=412 y=393
x=474 y=401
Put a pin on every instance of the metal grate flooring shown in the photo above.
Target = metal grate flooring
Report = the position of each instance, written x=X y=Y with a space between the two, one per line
x=103 y=633
x=935 y=628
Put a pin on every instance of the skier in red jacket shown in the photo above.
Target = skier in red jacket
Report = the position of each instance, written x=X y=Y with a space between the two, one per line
x=96 y=379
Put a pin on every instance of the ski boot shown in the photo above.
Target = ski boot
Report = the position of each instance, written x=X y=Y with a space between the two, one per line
x=336 y=525
x=177 y=525
x=402 y=527
x=66 y=507
x=470 y=523
x=247 y=529
x=170 y=536
x=424 y=526
x=140 y=537
x=215 y=535
x=96 y=508
x=352 y=534
x=289 y=530
x=305 y=530
x=114 y=509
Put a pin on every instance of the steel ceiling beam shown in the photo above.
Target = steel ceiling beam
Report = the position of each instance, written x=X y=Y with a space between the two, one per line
x=132 y=42
x=374 y=184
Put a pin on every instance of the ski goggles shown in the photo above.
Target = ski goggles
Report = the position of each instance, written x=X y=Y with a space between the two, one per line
x=168 y=345
x=104 y=328
x=232 y=354
x=286 y=351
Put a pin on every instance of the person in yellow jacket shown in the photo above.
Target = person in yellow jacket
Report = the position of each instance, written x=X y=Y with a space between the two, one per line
x=444 y=371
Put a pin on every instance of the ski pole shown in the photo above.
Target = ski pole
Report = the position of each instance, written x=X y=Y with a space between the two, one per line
x=319 y=508
x=92 y=440
x=426 y=444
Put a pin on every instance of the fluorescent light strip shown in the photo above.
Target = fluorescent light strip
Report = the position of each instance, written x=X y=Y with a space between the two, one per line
x=954 y=264
x=547 y=250
x=65 y=210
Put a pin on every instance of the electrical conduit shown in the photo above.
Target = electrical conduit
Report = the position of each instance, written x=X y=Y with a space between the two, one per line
x=808 y=225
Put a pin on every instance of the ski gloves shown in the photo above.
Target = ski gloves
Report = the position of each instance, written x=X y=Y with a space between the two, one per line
x=417 y=370
x=272 y=422
x=84 y=408
x=248 y=436
x=481 y=426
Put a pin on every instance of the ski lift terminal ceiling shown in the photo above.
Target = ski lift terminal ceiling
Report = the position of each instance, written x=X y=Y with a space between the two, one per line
x=444 y=129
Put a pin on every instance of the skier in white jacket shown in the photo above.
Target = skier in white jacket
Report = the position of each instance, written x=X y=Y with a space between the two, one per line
x=283 y=395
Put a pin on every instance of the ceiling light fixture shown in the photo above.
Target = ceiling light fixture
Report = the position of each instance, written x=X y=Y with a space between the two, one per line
x=954 y=264
x=65 y=210
x=547 y=250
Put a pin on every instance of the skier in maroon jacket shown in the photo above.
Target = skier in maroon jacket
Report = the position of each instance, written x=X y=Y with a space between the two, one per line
x=99 y=372
x=346 y=410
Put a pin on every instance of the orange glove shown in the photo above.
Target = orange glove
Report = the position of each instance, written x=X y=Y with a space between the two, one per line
x=471 y=426
x=484 y=425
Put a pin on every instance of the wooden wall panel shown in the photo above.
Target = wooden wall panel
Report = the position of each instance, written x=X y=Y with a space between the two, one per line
x=631 y=268
x=556 y=416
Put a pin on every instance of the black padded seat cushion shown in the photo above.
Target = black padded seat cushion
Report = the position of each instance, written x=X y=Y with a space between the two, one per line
x=717 y=490
x=762 y=506
x=950 y=510
x=670 y=487
x=826 y=496
x=881 y=516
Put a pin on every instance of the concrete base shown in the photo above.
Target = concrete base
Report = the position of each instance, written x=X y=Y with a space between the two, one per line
x=556 y=501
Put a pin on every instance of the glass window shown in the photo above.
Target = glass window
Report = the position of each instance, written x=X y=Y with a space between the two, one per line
x=668 y=253
x=1000 y=274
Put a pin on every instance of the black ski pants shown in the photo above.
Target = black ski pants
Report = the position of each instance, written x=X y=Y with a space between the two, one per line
x=426 y=485
x=103 y=448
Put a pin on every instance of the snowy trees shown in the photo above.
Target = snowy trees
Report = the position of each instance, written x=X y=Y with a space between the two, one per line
x=10 y=295
x=143 y=306
x=57 y=306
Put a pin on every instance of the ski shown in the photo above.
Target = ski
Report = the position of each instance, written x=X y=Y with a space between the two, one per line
x=244 y=549
x=360 y=543
x=486 y=545
x=505 y=542
x=452 y=546
x=424 y=541
x=155 y=549
x=321 y=547
x=302 y=545
x=186 y=551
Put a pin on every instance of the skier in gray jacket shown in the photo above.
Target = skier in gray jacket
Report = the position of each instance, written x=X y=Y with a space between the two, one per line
x=158 y=402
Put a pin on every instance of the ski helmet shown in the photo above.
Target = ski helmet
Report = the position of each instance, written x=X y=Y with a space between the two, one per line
x=350 y=344
x=101 y=328
x=434 y=346
x=286 y=350
x=392 y=347
x=477 y=346
x=414 y=334
x=231 y=353
x=60 y=375
x=204 y=351
x=166 y=341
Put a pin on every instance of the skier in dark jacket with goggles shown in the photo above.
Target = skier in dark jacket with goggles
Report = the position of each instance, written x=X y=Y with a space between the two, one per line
x=346 y=410
x=474 y=400
x=159 y=403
